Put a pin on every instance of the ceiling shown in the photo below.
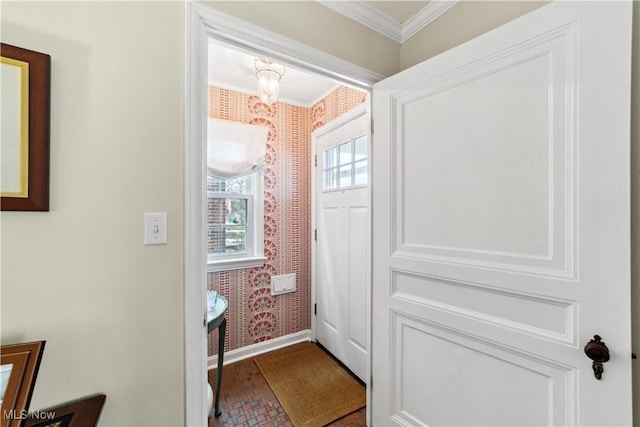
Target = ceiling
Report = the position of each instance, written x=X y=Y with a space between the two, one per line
x=232 y=69
x=397 y=20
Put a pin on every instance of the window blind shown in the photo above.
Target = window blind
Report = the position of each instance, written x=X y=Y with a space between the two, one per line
x=235 y=149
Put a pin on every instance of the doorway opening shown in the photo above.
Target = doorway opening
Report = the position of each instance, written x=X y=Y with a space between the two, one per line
x=206 y=27
x=258 y=310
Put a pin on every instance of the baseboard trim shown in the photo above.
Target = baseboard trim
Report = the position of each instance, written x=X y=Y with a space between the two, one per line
x=259 y=348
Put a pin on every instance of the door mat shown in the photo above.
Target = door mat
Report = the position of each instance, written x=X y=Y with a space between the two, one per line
x=312 y=388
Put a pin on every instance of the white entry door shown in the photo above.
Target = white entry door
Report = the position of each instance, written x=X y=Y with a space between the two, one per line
x=501 y=226
x=342 y=241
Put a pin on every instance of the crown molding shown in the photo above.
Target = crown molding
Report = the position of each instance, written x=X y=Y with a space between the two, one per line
x=374 y=19
x=368 y=16
x=432 y=11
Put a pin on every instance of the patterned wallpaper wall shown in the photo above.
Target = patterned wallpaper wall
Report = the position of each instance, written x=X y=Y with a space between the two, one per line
x=254 y=315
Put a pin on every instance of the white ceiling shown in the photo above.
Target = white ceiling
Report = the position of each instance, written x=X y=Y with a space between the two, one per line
x=397 y=20
x=232 y=69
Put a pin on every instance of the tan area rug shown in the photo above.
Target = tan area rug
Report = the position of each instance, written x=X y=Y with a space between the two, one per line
x=313 y=389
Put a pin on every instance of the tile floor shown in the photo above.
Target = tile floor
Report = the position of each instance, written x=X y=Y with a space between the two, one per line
x=247 y=400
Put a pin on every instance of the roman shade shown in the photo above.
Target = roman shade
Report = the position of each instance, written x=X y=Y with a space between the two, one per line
x=234 y=149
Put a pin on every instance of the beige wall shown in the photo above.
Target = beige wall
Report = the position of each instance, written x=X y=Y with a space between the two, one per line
x=79 y=276
x=464 y=21
x=312 y=24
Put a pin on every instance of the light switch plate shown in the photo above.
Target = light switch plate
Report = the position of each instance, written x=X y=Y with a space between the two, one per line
x=283 y=283
x=155 y=228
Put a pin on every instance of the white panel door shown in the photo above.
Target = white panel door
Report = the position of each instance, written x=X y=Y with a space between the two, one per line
x=501 y=226
x=342 y=248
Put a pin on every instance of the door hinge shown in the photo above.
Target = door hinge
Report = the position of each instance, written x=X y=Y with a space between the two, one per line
x=371 y=126
x=204 y=320
x=315 y=235
x=315 y=309
x=315 y=160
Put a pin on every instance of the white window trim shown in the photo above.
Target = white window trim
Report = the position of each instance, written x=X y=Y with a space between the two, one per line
x=235 y=263
x=254 y=257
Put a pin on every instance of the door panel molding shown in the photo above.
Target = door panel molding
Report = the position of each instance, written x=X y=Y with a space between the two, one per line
x=539 y=316
x=542 y=239
x=547 y=391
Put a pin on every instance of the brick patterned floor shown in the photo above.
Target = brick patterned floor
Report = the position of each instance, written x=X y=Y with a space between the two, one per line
x=247 y=400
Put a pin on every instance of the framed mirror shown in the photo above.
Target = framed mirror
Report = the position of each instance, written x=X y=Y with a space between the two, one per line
x=19 y=364
x=24 y=138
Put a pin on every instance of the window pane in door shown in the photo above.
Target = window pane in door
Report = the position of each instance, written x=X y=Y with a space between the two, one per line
x=345 y=153
x=360 y=149
x=330 y=158
x=345 y=176
x=346 y=164
x=330 y=178
x=360 y=172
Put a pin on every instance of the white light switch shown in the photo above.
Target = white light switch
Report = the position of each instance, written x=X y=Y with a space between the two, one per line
x=155 y=228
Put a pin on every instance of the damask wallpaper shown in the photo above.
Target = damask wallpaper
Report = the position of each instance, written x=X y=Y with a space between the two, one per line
x=253 y=314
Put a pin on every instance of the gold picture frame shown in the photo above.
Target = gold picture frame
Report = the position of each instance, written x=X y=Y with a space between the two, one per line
x=24 y=148
x=19 y=364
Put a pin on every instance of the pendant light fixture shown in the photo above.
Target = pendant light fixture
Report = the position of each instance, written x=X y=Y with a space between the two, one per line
x=268 y=75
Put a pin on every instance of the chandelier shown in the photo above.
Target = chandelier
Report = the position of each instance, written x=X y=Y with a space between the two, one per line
x=268 y=75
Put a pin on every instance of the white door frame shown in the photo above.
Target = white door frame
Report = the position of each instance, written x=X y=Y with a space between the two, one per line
x=202 y=23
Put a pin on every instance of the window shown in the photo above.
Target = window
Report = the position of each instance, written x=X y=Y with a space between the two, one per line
x=235 y=222
x=345 y=165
